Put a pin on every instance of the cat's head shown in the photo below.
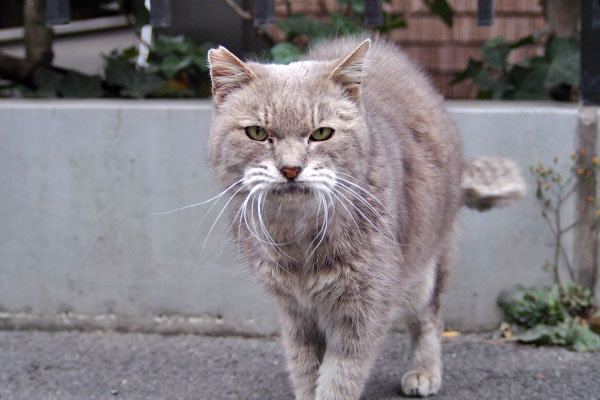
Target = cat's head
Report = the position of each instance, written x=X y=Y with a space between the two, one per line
x=287 y=131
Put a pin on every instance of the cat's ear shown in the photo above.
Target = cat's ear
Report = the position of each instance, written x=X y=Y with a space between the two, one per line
x=227 y=73
x=349 y=72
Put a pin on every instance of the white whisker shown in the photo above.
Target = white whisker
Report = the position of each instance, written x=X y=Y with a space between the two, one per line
x=217 y=219
x=361 y=188
x=346 y=208
x=217 y=197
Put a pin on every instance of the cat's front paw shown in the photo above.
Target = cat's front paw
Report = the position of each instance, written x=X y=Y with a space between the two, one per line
x=421 y=383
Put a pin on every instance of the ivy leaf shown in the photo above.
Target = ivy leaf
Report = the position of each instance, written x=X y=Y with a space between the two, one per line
x=296 y=25
x=77 y=85
x=285 y=53
x=133 y=82
x=172 y=64
x=391 y=22
x=344 y=25
x=525 y=41
x=495 y=52
x=47 y=83
x=442 y=9
x=358 y=6
x=142 y=85
x=585 y=339
x=473 y=68
x=564 y=55
x=529 y=81
x=167 y=45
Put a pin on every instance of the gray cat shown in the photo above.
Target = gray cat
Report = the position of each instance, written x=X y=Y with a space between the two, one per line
x=346 y=175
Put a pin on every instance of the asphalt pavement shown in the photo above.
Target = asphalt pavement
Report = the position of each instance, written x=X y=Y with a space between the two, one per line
x=128 y=366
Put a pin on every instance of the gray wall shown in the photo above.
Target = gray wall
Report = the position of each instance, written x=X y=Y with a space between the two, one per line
x=79 y=245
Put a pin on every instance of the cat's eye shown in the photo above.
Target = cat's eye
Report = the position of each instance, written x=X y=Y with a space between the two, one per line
x=321 y=134
x=256 y=133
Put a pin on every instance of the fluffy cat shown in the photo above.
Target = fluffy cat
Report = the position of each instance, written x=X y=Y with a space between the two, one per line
x=345 y=174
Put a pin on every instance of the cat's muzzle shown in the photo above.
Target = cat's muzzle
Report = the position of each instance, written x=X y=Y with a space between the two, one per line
x=290 y=189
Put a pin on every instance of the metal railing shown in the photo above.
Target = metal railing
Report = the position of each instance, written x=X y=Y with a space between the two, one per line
x=264 y=14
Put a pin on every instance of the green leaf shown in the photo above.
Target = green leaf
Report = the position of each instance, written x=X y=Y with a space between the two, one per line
x=495 y=52
x=442 y=9
x=167 y=45
x=295 y=25
x=47 y=82
x=529 y=82
x=391 y=22
x=524 y=41
x=172 y=64
x=130 y=53
x=585 y=339
x=142 y=85
x=473 y=68
x=344 y=25
x=564 y=55
x=285 y=53
x=484 y=79
x=137 y=83
x=77 y=85
x=358 y=6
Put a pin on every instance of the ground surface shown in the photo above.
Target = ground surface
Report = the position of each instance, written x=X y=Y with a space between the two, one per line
x=72 y=365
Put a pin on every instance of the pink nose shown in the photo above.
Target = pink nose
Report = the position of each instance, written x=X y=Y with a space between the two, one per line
x=290 y=172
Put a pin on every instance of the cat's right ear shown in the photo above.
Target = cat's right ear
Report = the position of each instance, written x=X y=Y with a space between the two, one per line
x=227 y=73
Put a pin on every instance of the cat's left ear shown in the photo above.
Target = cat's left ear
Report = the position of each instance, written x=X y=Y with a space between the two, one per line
x=227 y=73
x=349 y=72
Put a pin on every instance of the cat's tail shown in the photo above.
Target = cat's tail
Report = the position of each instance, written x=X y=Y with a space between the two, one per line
x=491 y=182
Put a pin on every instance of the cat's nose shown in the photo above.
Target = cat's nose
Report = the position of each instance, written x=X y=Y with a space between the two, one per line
x=290 y=172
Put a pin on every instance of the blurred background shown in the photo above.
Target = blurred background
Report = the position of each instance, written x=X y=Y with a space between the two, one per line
x=520 y=50
x=80 y=245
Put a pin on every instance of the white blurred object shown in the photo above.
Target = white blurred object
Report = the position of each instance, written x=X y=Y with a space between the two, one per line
x=146 y=41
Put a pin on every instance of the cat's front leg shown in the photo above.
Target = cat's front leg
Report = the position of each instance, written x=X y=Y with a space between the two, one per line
x=304 y=347
x=352 y=344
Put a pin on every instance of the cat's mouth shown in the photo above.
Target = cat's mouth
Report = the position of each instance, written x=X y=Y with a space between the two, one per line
x=290 y=189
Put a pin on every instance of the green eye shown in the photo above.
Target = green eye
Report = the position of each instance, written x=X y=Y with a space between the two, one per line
x=256 y=133
x=321 y=134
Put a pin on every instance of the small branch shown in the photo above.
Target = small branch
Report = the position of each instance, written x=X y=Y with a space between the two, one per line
x=559 y=250
x=568 y=228
x=243 y=14
x=567 y=195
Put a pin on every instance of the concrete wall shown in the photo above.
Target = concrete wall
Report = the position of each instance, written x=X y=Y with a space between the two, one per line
x=79 y=245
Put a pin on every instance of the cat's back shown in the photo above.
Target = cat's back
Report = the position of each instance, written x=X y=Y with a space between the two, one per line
x=391 y=80
x=412 y=132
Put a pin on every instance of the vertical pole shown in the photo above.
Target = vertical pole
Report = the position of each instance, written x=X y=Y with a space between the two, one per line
x=57 y=12
x=38 y=36
x=160 y=13
x=586 y=238
x=590 y=52
x=373 y=13
x=264 y=12
x=485 y=12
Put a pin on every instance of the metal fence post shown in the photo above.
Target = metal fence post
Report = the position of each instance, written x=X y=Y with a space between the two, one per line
x=57 y=12
x=590 y=52
x=264 y=12
x=160 y=13
x=373 y=13
x=485 y=12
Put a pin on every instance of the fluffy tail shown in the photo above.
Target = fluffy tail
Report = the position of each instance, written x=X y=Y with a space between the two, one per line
x=491 y=182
